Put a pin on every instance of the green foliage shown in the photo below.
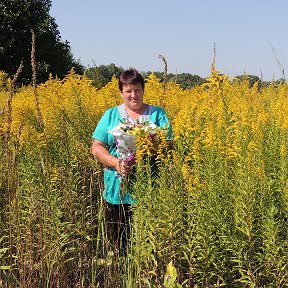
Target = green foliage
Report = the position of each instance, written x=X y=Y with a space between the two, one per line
x=185 y=80
x=252 y=79
x=103 y=74
x=17 y=18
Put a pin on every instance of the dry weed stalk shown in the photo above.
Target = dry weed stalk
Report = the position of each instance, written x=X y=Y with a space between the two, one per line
x=164 y=77
x=10 y=162
x=34 y=83
x=40 y=122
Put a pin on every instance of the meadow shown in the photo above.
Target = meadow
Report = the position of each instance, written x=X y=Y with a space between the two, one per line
x=215 y=217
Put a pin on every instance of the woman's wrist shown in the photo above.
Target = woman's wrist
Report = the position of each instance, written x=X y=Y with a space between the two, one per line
x=116 y=163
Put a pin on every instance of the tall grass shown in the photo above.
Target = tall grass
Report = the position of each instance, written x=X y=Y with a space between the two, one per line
x=215 y=215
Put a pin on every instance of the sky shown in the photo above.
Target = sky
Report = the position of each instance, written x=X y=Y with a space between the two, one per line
x=250 y=36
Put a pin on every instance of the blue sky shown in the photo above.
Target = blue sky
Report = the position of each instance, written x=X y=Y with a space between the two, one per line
x=250 y=36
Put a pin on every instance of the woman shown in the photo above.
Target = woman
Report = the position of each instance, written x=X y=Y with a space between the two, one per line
x=117 y=212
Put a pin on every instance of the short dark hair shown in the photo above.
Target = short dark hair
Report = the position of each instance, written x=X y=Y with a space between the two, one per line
x=131 y=76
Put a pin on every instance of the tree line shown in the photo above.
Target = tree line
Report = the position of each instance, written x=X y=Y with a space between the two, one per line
x=19 y=18
x=101 y=75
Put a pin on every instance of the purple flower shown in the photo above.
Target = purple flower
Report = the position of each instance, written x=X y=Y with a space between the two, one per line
x=130 y=160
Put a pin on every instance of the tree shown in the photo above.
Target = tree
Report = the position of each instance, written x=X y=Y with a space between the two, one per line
x=187 y=80
x=252 y=79
x=17 y=19
x=103 y=74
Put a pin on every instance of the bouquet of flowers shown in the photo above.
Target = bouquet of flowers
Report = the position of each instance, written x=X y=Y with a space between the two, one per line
x=125 y=135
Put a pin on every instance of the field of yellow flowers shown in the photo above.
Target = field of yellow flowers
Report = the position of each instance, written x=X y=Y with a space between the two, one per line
x=217 y=215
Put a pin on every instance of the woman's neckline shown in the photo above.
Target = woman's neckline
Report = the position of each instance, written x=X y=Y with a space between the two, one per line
x=135 y=115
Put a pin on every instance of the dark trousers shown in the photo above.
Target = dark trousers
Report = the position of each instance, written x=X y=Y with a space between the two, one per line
x=118 y=224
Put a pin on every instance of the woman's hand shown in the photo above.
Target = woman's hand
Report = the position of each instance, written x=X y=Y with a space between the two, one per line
x=122 y=168
x=101 y=153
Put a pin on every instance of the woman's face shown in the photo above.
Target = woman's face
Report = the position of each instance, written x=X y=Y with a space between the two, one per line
x=132 y=95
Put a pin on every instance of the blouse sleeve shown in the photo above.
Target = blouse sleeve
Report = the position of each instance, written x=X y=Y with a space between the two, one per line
x=101 y=131
x=165 y=124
